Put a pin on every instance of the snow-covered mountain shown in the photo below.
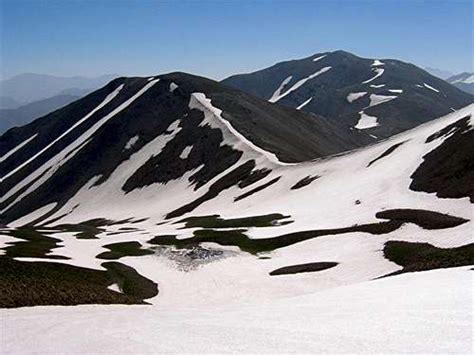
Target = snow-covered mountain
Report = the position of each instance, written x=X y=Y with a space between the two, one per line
x=382 y=97
x=463 y=81
x=226 y=215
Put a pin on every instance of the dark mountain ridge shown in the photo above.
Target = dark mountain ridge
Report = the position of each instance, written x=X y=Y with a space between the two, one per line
x=384 y=96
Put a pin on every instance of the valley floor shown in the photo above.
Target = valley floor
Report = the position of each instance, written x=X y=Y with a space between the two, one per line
x=429 y=312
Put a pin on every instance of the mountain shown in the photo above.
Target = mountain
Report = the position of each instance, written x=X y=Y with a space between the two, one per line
x=440 y=73
x=8 y=102
x=200 y=213
x=29 y=87
x=290 y=135
x=25 y=114
x=383 y=97
x=463 y=81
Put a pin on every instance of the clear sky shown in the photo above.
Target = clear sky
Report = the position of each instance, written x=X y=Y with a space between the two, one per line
x=219 y=38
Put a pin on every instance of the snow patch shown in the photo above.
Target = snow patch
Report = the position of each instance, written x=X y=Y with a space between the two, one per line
x=376 y=63
x=173 y=87
x=17 y=148
x=33 y=215
x=299 y=84
x=131 y=142
x=319 y=58
x=396 y=91
x=430 y=87
x=185 y=153
x=377 y=86
x=277 y=93
x=304 y=104
x=378 y=71
x=355 y=95
x=366 y=121
x=380 y=99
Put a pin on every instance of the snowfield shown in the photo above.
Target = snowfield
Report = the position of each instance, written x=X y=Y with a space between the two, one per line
x=393 y=315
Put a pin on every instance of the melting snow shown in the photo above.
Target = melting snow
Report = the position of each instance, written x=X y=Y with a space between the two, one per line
x=377 y=86
x=300 y=83
x=366 y=121
x=304 y=104
x=185 y=153
x=18 y=147
x=379 y=72
x=354 y=96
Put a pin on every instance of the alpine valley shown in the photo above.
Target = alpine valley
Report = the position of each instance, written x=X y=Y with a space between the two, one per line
x=327 y=205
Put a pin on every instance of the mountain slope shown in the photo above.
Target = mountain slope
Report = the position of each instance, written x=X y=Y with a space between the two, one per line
x=463 y=81
x=164 y=205
x=25 y=114
x=41 y=160
x=383 y=97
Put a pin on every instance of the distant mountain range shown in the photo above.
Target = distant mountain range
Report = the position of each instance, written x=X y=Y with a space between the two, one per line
x=463 y=81
x=29 y=87
x=29 y=96
x=382 y=97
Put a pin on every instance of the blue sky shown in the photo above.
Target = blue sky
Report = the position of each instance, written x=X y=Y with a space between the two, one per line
x=219 y=38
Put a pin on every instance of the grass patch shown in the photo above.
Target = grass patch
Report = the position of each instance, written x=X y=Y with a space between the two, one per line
x=33 y=244
x=423 y=256
x=120 y=250
x=300 y=268
x=46 y=283
x=304 y=182
x=254 y=246
x=214 y=221
x=424 y=219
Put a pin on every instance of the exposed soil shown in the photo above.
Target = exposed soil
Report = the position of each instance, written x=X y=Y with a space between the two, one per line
x=120 y=250
x=45 y=283
x=300 y=268
x=304 y=182
x=424 y=219
x=386 y=153
x=423 y=256
x=214 y=221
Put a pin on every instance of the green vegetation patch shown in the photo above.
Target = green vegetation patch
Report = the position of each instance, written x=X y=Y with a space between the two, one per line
x=424 y=256
x=424 y=219
x=120 y=250
x=300 y=268
x=46 y=283
x=32 y=244
x=214 y=221
x=254 y=246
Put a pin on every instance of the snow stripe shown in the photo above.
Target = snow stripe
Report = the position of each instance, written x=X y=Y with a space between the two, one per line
x=379 y=72
x=277 y=92
x=17 y=148
x=42 y=174
x=304 y=104
x=109 y=98
x=300 y=83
